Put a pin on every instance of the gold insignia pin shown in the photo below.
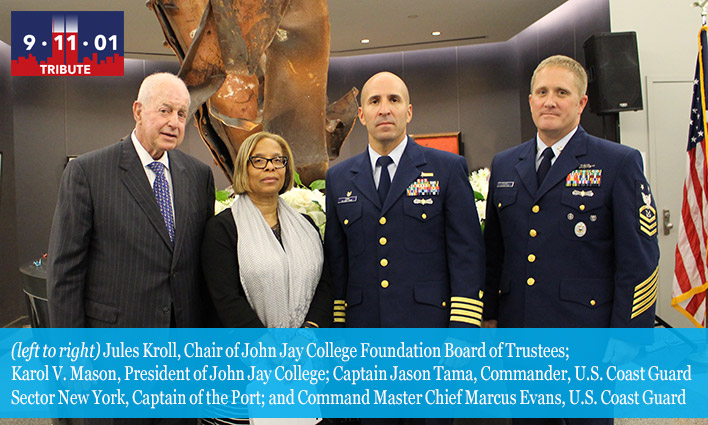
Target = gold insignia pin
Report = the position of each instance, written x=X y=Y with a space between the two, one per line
x=424 y=174
x=349 y=193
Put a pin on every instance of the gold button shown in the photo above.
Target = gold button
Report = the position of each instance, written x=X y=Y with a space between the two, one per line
x=536 y=208
x=582 y=207
x=424 y=216
x=444 y=304
x=530 y=281
x=383 y=262
x=499 y=205
x=382 y=220
x=346 y=221
x=384 y=283
x=533 y=233
x=592 y=302
x=383 y=241
x=531 y=258
x=500 y=292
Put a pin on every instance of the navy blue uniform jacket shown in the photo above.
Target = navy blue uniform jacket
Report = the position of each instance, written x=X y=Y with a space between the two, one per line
x=579 y=251
x=415 y=261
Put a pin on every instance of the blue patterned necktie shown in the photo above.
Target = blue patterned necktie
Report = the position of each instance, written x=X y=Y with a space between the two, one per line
x=545 y=165
x=162 y=193
x=385 y=178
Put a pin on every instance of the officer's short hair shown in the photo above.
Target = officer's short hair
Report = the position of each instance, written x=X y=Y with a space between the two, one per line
x=581 y=77
x=240 y=180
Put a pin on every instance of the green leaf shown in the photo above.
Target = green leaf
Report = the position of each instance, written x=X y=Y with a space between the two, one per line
x=298 y=182
x=478 y=196
x=317 y=185
x=222 y=195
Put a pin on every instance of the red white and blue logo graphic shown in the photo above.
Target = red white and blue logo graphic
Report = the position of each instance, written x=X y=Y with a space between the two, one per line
x=67 y=43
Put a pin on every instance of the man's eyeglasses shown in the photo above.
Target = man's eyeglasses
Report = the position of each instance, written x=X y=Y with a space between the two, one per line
x=260 y=162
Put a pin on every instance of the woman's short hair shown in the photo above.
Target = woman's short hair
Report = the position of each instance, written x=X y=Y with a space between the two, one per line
x=240 y=180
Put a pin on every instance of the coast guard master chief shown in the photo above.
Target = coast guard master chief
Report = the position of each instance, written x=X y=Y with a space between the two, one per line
x=402 y=239
x=571 y=221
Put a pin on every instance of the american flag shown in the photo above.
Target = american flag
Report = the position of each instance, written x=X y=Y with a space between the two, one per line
x=691 y=271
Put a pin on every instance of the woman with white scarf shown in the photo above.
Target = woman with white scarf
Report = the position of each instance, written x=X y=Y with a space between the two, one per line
x=262 y=260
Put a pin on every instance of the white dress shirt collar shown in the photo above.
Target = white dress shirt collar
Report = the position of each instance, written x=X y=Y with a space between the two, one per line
x=557 y=147
x=395 y=155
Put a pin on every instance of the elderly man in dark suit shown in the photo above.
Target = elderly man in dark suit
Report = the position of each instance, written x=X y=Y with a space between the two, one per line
x=571 y=222
x=124 y=246
x=402 y=238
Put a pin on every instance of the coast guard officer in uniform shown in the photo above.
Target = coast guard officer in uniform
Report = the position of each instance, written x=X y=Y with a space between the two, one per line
x=571 y=221
x=402 y=237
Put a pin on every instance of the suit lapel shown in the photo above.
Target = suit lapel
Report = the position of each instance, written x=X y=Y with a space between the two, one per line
x=566 y=162
x=180 y=187
x=526 y=167
x=406 y=173
x=363 y=178
x=135 y=180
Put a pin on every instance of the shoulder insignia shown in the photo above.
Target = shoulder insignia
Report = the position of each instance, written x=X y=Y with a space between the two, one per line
x=647 y=213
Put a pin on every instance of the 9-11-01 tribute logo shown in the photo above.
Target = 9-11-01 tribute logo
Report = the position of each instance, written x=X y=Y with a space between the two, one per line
x=67 y=43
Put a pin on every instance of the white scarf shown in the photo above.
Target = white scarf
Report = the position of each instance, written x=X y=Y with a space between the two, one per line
x=279 y=281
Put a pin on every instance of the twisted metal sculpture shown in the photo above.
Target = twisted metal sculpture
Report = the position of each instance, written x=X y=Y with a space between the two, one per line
x=254 y=65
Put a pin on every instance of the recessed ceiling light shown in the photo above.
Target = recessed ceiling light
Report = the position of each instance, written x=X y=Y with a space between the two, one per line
x=436 y=33
x=365 y=41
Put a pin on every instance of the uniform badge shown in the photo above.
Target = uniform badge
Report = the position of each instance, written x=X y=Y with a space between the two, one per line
x=584 y=177
x=424 y=174
x=505 y=184
x=423 y=187
x=346 y=199
x=423 y=201
x=647 y=214
x=583 y=193
x=580 y=229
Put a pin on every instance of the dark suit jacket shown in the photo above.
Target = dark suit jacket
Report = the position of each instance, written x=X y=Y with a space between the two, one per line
x=579 y=251
x=415 y=261
x=111 y=261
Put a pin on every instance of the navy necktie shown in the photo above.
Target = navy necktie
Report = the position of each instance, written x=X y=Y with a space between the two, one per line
x=162 y=194
x=545 y=165
x=385 y=177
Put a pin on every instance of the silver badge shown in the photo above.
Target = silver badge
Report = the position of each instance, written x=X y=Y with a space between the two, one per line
x=593 y=217
x=570 y=216
x=580 y=229
x=423 y=201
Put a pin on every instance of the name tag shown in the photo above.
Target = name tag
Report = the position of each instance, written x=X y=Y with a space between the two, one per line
x=346 y=199
x=505 y=184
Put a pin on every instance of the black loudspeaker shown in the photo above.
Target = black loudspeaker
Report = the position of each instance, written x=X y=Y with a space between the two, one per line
x=614 y=84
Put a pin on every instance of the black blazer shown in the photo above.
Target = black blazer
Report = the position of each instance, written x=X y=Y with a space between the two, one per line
x=221 y=271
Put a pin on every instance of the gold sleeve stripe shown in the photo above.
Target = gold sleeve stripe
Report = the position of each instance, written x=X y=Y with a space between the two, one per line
x=646 y=306
x=340 y=314
x=466 y=320
x=647 y=281
x=466 y=313
x=650 y=298
x=340 y=302
x=466 y=300
x=646 y=292
x=339 y=320
x=339 y=307
x=466 y=307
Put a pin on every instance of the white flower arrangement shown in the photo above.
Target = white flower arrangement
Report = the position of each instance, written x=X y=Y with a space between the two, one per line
x=479 y=180
x=302 y=199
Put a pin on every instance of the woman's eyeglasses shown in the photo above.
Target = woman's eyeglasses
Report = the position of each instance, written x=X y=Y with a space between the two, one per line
x=261 y=163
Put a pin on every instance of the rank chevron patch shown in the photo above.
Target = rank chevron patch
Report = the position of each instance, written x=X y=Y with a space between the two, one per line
x=645 y=294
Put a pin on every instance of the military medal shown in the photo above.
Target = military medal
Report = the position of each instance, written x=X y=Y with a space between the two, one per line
x=580 y=229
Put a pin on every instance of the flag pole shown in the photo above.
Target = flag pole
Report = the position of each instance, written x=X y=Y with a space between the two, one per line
x=704 y=9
